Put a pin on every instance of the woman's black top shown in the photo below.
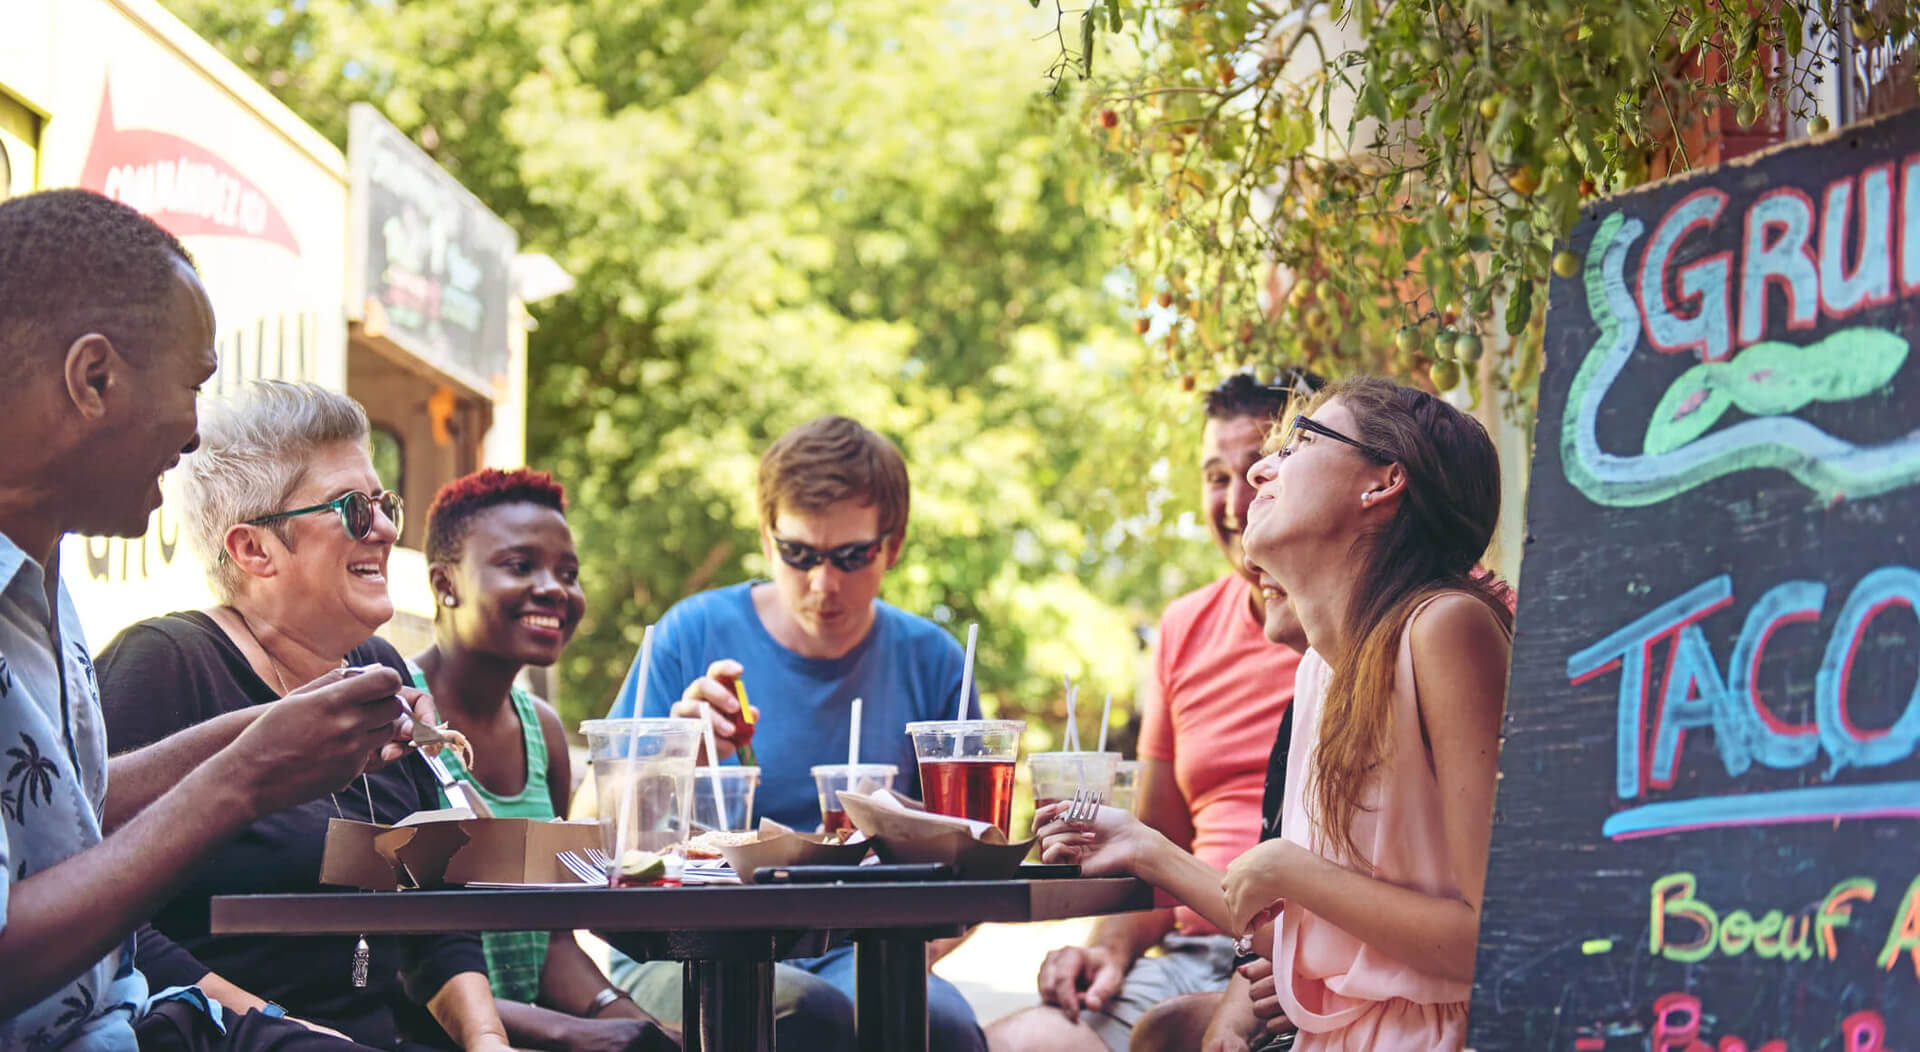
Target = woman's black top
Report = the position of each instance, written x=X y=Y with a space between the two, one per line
x=166 y=674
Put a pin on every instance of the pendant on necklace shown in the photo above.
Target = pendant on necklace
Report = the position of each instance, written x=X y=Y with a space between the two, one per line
x=360 y=955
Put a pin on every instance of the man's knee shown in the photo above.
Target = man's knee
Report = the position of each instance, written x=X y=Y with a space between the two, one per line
x=951 y=1025
x=1042 y=1029
x=810 y=1012
x=1175 y=1025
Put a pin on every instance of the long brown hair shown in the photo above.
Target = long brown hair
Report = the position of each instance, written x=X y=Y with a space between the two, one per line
x=1441 y=528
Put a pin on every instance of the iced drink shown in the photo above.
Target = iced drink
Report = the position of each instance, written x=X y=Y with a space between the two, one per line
x=966 y=767
x=831 y=779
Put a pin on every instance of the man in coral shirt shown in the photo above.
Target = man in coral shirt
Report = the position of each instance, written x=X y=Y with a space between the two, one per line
x=1208 y=720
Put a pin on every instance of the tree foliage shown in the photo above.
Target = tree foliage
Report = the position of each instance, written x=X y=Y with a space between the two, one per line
x=775 y=211
x=1384 y=185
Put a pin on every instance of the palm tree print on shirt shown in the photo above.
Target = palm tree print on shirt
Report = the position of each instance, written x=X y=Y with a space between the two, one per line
x=34 y=773
x=86 y=663
x=78 y=1005
x=6 y=677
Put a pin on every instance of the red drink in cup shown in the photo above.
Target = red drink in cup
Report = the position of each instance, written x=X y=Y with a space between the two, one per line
x=832 y=779
x=966 y=767
x=981 y=790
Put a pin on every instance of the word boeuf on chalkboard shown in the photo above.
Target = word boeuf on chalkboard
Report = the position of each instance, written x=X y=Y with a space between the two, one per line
x=1706 y=832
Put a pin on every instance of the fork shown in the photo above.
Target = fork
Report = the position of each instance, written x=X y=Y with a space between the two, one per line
x=1085 y=805
x=599 y=858
x=587 y=870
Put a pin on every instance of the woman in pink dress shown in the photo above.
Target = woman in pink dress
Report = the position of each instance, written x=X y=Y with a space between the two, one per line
x=1370 y=519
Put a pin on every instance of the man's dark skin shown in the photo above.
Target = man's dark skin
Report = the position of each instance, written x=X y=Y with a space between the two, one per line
x=89 y=426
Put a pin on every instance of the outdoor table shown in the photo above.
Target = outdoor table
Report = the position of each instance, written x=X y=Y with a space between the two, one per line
x=727 y=935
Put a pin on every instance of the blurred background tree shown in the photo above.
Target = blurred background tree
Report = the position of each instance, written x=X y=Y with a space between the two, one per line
x=781 y=210
x=1386 y=186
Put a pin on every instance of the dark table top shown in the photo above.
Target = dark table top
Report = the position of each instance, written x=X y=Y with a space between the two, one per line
x=714 y=908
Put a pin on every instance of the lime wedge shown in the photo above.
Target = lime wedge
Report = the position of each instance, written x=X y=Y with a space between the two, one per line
x=642 y=866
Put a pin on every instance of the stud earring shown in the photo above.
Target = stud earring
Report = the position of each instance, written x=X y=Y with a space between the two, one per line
x=448 y=600
x=1365 y=498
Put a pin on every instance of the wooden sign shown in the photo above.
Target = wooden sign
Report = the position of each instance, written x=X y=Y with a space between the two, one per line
x=1706 y=834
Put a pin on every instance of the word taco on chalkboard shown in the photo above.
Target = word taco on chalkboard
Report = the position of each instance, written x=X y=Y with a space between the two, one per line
x=1706 y=836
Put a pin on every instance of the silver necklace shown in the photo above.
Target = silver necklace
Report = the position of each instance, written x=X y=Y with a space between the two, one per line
x=362 y=954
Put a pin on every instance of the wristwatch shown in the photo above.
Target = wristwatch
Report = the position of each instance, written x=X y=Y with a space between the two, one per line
x=604 y=998
x=271 y=1009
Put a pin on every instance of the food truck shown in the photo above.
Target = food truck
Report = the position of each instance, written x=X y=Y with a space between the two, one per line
x=372 y=271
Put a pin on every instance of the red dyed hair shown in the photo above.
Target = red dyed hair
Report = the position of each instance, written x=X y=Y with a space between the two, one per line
x=460 y=500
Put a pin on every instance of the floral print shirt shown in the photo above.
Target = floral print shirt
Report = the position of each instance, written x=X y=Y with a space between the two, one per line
x=53 y=787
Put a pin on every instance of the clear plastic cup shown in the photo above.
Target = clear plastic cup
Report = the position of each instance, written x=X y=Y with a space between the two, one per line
x=966 y=767
x=1126 y=786
x=737 y=785
x=1058 y=775
x=657 y=776
x=831 y=779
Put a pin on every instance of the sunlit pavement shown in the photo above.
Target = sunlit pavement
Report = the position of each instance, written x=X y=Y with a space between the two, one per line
x=994 y=969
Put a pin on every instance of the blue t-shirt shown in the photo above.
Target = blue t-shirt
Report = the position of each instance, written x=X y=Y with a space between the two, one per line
x=907 y=668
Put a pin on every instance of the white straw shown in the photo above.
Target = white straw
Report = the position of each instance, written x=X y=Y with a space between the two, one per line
x=1073 y=722
x=713 y=767
x=633 y=750
x=853 y=742
x=966 y=670
x=1106 y=711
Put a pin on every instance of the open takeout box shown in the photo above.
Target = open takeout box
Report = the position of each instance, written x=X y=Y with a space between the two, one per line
x=434 y=849
x=781 y=846
x=975 y=850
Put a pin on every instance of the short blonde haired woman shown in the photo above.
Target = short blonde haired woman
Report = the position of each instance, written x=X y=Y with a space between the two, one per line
x=285 y=508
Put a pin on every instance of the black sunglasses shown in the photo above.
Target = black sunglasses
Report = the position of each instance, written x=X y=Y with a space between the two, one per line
x=355 y=508
x=1304 y=422
x=847 y=557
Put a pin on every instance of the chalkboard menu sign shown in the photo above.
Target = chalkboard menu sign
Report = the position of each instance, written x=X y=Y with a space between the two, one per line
x=1706 y=833
x=430 y=264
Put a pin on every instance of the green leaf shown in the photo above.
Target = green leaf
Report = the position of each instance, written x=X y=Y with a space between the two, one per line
x=1086 y=42
x=1519 y=307
x=1113 y=16
x=1696 y=32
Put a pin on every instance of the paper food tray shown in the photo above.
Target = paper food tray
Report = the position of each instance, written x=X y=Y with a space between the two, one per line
x=975 y=850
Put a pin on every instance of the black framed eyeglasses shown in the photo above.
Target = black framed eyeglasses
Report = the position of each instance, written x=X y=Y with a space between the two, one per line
x=848 y=558
x=1304 y=422
x=355 y=508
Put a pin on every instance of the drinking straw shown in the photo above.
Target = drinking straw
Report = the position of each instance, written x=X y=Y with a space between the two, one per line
x=713 y=768
x=966 y=680
x=633 y=750
x=853 y=741
x=966 y=670
x=1106 y=710
x=1073 y=723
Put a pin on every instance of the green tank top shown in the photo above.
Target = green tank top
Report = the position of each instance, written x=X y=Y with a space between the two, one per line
x=515 y=959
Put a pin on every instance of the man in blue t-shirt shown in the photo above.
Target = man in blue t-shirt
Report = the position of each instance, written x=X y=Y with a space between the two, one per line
x=833 y=513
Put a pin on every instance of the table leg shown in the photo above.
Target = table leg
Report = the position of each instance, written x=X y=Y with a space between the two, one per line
x=890 y=969
x=727 y=1006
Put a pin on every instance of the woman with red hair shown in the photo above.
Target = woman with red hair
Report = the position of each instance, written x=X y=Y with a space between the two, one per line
x=506 y=586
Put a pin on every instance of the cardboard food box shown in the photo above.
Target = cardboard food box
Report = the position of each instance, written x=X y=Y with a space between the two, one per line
x=781 y=846
x=437 y=849
x=975 y=850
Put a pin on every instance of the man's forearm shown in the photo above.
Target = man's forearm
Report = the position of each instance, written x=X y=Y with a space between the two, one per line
x=137 y=778
x=1234 y=1013
x=63 y=920
x=1131 y=934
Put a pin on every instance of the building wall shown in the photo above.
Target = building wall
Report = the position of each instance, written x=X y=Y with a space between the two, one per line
x=120 y=97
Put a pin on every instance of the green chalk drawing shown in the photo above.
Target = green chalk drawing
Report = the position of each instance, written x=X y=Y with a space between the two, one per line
x=1768 y=379
x=1834 y=469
